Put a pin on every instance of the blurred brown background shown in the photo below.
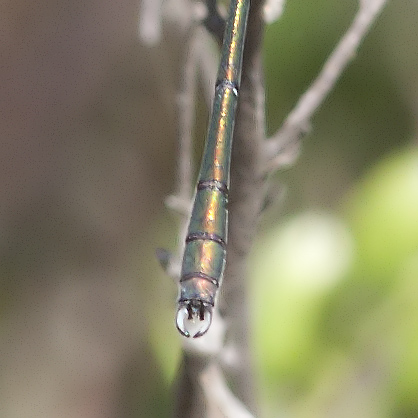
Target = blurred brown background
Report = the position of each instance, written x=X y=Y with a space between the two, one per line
x=87 y=134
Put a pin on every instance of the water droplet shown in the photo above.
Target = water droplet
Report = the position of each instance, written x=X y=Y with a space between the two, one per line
x=194 y=318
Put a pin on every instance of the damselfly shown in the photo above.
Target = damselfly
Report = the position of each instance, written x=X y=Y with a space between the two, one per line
x=205 y=250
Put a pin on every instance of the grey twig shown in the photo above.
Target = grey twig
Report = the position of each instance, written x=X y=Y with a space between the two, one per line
x=283 y=147
x=186 y=107
x=245 y=204
x=221 y=401
x=149 y=27
x=207 y=62
x=214 y=22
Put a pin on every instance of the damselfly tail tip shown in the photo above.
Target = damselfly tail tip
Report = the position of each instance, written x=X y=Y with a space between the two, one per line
x=194 y=318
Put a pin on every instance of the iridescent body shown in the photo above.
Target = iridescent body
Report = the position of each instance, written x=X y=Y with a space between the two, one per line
x=205 y=250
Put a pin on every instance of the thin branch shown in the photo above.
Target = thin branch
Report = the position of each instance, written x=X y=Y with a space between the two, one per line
x=286 y=139
x=186 y=110
x=245 y=204
x=181 y=200
x=221 y=401
x=214 y=22
x=149 y=25
x=208 y=63
x=197 y=58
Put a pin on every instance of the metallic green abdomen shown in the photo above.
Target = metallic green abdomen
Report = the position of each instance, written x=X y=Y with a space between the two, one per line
x=205 y=250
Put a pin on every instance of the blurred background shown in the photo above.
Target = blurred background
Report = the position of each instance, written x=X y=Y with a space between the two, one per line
x=88 y=144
